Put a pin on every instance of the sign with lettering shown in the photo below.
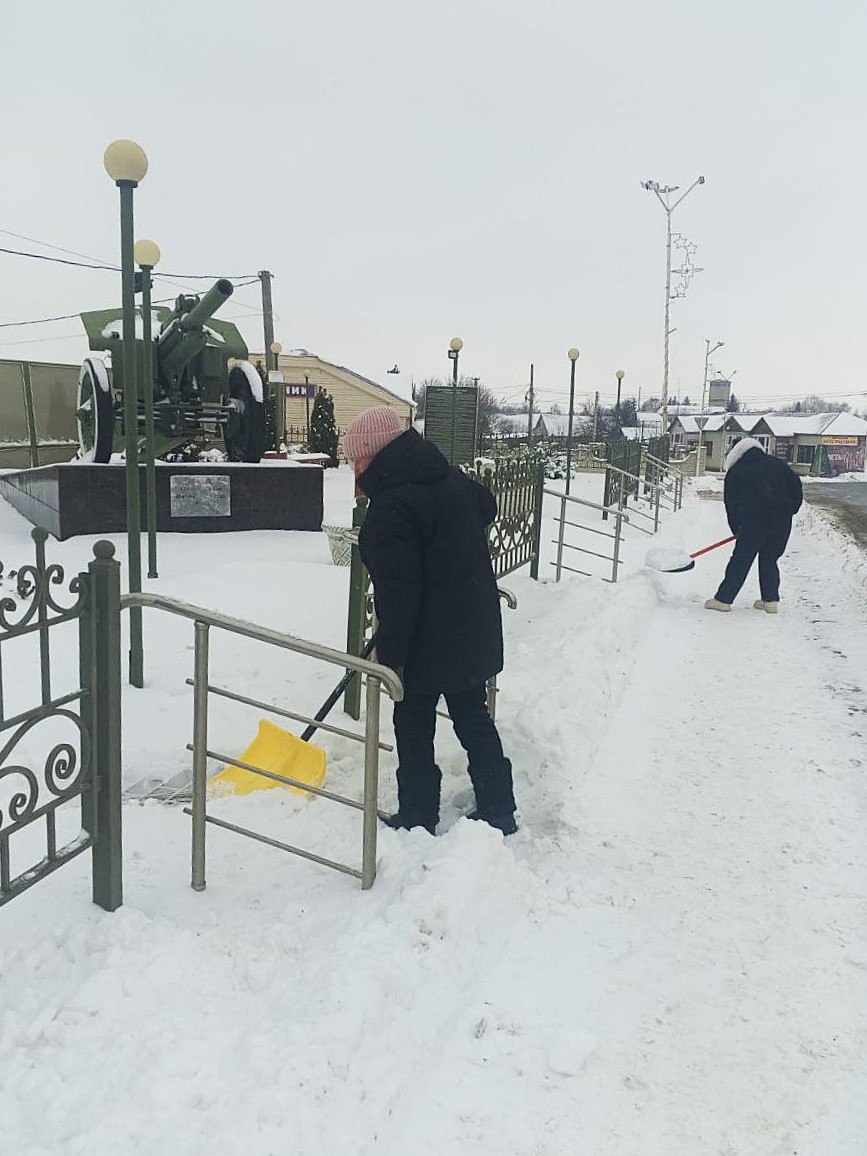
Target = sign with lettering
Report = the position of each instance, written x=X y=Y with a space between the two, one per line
x=840 y=441
x=301 y=390
x=200 y=496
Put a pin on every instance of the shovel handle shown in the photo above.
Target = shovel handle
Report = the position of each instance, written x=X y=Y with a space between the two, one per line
x=337 y=692
x=715 y=546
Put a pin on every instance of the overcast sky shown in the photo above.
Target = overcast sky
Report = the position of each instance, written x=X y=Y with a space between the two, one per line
x=413 y=172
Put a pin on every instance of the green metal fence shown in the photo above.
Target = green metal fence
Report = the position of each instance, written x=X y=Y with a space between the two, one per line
x=37 y=413
x=66 y=746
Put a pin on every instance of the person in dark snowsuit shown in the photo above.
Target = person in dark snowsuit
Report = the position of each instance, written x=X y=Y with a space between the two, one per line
x=762 y=495
x=424 y=542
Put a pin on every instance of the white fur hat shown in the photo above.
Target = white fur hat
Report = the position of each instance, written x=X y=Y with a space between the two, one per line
x=740 y=448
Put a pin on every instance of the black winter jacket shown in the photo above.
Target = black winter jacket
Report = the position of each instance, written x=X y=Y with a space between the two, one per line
x=760 y=492
x=425 y=545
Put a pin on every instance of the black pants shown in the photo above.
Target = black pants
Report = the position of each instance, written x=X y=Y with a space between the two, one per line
x=768 y=541
x=418 y=776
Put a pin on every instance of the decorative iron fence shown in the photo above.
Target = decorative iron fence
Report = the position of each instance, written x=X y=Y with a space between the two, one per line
x=76 y=733
x=514 y=536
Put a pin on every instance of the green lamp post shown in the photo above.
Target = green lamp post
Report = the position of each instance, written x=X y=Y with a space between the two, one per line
x=275 y=349
x=126 y=163
x=573 y=357
x=455 y=347
x=147 y=257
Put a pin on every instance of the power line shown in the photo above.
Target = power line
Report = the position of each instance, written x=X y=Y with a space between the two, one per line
x=58 y=260
x=246 y=278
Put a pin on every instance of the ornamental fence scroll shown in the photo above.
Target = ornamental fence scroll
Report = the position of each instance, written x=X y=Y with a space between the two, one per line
x=66 y=747
x=514 y=537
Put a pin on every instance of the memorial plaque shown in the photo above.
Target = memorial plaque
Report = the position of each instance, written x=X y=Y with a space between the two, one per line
x=86 y=498
x=200 y=496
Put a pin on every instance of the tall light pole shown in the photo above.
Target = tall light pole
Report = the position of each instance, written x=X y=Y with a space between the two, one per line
x=147 y=257
x=663 y=195
x=573 y=357
x=275 y=348
x=455 y=347
x=620 y=376
x=126 y=163
x=700 y=420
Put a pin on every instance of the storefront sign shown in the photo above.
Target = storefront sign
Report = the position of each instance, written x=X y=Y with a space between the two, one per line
x=300 y=390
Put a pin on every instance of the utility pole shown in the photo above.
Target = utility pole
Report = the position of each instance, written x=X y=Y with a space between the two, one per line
x=595 y=415
x=663 y=195
x=272 y=358
x=531 y=395
x=268 y=318
x=700 y=422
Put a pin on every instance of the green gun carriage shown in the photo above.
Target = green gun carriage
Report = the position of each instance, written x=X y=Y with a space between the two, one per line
x=204 y=386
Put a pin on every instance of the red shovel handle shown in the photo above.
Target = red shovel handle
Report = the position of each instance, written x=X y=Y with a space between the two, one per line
x=715 y=546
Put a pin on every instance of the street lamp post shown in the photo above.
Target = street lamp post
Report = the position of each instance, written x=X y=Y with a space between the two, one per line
x=573 y=357
x=275 y=349
x=455 y=347
x=126 y=163
x=700 y=421
x=663 y=195
x=147 y=257
x=620 y=376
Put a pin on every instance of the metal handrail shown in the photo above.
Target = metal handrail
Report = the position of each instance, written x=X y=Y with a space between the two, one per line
x=620 y=516
x=635 y=478
x=377 y=677
x=584 y=502
x=319 y=724
x=265 y=634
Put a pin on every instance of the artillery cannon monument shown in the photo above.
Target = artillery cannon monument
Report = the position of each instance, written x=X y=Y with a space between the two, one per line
x=204 y=386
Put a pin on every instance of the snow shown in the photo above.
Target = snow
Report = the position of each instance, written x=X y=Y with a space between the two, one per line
x=100 y=373
x=250 y=372
x=667 y=559
x=669 y=957
x=114 y=329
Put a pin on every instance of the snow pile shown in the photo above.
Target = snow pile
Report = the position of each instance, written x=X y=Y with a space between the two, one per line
x=667 y=958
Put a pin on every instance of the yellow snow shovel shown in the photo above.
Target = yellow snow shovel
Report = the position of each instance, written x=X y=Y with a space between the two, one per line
x=279 y=751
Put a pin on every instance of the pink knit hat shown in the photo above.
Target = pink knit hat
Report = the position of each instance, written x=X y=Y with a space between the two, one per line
x=371 y=432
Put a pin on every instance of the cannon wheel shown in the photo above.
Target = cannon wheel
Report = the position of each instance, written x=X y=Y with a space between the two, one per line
x=245 y=427
x=95 y=412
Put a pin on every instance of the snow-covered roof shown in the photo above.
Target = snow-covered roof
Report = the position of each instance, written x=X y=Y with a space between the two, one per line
x=846 y=425
x=780 y=424
x=511 y=423
x=557 y=424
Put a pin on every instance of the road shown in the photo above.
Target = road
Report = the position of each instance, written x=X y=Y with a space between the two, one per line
x=847 y=501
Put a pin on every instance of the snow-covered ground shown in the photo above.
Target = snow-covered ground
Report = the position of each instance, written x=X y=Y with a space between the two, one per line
x=669 y=959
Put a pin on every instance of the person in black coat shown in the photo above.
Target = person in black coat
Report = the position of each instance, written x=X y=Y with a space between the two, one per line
x=424 y=541
x=762 y=495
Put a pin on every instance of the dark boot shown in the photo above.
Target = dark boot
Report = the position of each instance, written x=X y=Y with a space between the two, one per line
x=495 y=797
x=399 y=822
x=505 y=823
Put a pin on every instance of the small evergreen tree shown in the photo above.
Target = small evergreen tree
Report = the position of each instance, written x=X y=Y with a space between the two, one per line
x=733 y=405
x=628 y=412
x=323 y=429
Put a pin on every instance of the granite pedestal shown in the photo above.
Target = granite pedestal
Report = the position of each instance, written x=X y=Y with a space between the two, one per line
x=82 y=498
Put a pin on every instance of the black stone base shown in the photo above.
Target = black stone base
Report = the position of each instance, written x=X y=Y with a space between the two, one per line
x=82 y=498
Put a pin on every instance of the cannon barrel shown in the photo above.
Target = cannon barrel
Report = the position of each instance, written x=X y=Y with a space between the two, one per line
x=184 y=337
x=219 y=292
